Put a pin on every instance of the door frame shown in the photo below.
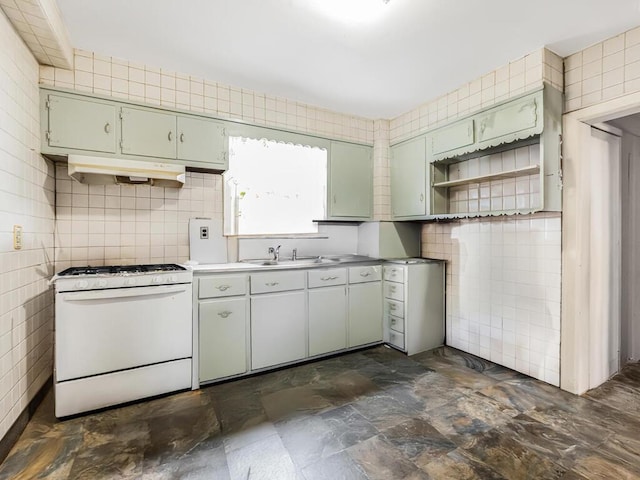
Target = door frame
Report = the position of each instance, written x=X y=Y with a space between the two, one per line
x=575 y=357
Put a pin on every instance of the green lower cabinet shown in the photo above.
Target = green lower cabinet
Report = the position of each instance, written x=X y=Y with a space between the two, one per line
x=350 y=181
x=222 y=343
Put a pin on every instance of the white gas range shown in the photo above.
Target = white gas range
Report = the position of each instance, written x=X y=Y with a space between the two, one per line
x=122 y=333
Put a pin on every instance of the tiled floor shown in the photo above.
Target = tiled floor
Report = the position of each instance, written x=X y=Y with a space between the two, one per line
x=372 y=414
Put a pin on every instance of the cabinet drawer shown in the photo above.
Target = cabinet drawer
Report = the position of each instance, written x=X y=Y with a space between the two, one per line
x=394 y=323
x=325 y=278
x=222 y=286
x=394 y=307
x=277 y=281
x=371 y=273
x=396 y=339
x=394 y=273
x=394 y=290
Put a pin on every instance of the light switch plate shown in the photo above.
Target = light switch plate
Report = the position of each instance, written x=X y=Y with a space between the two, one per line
x=17 y=237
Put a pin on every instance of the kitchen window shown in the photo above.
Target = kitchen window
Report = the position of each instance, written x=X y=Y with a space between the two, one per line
x=274 y=188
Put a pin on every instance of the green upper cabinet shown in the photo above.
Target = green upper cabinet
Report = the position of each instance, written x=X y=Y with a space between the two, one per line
x=350 y=181
x=453 y=137
x=409 y=179
x=148 y=133
x=77 y=123
x=509 y=122
x=202 y=141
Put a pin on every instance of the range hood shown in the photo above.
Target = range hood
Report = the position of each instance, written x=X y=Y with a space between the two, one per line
x=117 y=171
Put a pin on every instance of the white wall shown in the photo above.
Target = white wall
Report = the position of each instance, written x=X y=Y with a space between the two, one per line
x=630 y=189
x=27 y=199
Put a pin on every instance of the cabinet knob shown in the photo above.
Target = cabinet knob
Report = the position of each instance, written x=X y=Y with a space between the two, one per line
x=182 y=138
x=225 y=314
x=170 y=136
x=107 y=128
x=223 y=288
x=421 y=197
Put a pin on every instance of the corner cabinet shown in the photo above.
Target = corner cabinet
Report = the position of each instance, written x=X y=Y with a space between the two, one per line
x=503 y=160
x=350 y=182
x=89 y=125
x=409 y=180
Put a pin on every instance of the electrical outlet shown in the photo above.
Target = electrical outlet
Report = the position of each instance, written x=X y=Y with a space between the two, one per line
x=204 y=233
x=17 y=237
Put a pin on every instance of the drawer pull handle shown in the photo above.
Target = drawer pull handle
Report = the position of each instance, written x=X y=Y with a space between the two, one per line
x=392 y=288
x=271 y=284
x=365 y=274
x=328 y=278
x=107 y=128
x=223 y=288
x=225 y=314
x=393 y=321
x=182 y=138
x=392 y=306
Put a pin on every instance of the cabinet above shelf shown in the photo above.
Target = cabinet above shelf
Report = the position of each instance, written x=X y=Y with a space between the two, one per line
x=517 y=172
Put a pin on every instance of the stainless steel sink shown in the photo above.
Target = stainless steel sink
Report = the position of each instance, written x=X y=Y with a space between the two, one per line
x=291 y=263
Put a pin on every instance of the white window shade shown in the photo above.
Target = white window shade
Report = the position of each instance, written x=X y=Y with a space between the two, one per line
x=274 y=188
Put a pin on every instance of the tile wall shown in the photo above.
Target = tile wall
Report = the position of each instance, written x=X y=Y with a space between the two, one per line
x=126 y=224
x=519 y=193
x=503 y=273
x=149 y=223
x=603 y=71
x=511 y=80
x=26 y=199
x=39 y=23
x=381 y=173
x=503 y=289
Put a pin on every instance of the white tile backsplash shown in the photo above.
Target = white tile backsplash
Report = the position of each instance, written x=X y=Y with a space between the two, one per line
x=503 y=289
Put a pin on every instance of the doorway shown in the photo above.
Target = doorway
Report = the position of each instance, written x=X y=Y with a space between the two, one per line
x=600 y=327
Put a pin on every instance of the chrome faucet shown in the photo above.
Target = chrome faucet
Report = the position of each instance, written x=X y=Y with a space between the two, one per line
x=275 y=252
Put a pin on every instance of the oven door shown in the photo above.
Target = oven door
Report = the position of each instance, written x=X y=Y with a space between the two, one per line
x=102 y=331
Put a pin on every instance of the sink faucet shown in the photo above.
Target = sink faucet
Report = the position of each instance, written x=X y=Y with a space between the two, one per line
x=275 y=252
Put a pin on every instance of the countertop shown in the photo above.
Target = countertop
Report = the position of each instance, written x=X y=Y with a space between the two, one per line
x=328 y=261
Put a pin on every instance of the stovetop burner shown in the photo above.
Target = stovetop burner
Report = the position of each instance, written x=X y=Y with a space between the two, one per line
x=122 y=269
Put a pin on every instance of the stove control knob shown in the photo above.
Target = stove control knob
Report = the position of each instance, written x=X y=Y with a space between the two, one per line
x=82 y=284
x=101 y=283
x=129 y=282
x=157 y=279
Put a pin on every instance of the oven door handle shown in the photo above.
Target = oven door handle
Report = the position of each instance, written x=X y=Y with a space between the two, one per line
x=124 y=293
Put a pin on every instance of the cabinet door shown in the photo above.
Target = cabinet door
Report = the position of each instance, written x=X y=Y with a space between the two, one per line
x=513 y=120
x=409 y=179
x=452 y=137
x=223 y=350
x=327 y=320
x=147 y=133
x=350 y=181
x=202 y=142
x=278 y=329
x=81 y=124
x=365 y=313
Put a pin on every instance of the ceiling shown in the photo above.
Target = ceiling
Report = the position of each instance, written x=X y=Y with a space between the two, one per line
x=409 y=52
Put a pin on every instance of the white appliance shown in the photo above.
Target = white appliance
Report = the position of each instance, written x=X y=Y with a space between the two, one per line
x=121 y=334
x=207 y=244
x=109 y=171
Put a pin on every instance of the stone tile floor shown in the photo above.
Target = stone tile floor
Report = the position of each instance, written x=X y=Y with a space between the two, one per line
x=372 y=414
